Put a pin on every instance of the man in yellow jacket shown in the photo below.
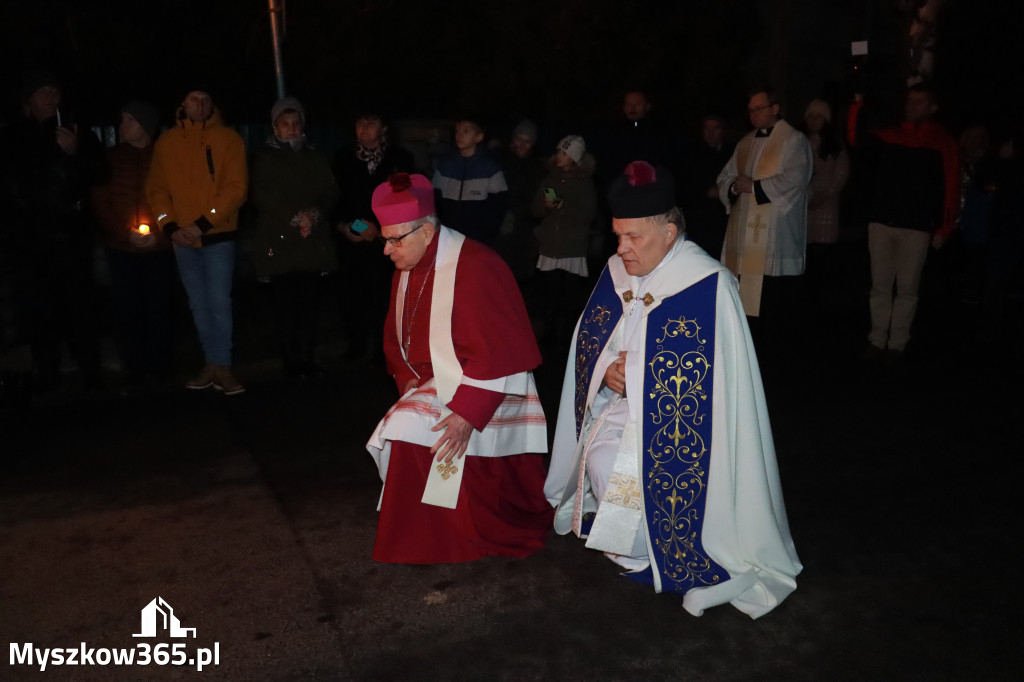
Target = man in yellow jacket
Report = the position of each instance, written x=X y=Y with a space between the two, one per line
x=196 y=185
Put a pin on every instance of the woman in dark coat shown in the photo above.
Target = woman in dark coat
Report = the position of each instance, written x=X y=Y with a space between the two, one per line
x=294 y=193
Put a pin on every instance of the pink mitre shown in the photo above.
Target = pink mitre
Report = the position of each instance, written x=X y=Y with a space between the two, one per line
x=402 y=199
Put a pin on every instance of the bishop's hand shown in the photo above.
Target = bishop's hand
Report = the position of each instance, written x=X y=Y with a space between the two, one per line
x=454 y=440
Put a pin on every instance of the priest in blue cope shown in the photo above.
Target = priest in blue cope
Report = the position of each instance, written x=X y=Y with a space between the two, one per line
x=663 y=456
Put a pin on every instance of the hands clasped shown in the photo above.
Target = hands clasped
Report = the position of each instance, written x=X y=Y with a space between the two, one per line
x=615 y=375
x=185 y=236
x=743 y=184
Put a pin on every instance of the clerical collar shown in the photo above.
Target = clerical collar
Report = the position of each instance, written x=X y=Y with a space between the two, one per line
x=764 y=132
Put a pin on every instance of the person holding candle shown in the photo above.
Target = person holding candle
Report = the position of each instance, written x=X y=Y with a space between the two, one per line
x=140 y=259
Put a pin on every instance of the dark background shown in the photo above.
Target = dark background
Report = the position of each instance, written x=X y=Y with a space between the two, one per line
x=560 y=62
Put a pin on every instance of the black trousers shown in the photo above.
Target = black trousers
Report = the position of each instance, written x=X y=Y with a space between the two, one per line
x=62 y=305
x=142 y=285
x=296 y=303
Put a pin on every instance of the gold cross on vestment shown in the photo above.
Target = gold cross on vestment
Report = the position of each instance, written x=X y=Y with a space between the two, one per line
x=647 y=299
x=447 y=469
x=757 y=226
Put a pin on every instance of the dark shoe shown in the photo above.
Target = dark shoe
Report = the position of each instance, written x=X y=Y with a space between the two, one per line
x=202 y=380
x=224 y=381
x=586 y=524
x=872 y=353
x=893 y=358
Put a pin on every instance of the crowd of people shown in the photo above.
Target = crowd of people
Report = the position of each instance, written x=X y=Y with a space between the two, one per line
x=662 y=459
x=543 y=210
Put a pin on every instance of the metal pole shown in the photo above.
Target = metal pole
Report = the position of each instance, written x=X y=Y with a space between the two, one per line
x=275 y=32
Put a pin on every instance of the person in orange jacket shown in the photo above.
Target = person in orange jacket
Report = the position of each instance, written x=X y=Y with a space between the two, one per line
x=196 y=185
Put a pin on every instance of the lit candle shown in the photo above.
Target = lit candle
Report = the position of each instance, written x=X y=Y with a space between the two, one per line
x=143 y=228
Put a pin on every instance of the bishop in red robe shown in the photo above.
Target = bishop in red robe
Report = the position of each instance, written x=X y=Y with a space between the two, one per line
x=461 y=452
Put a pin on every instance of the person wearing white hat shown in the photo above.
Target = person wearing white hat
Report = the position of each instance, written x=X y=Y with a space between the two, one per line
x=566 y=204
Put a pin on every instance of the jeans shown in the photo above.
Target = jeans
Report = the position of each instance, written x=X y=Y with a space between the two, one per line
x=207 y=273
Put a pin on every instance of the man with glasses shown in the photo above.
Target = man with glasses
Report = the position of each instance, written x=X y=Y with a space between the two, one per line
x=460 y=453
x=764 y=189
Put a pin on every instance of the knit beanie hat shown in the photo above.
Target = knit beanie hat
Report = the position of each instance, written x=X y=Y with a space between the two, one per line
x=190 y=85
x=574 y=146
x=145 y=113
x=34 y=79
x=402 y=199
x=642 y=191
x=526 y=128
x=284 y=104
x=819 y=107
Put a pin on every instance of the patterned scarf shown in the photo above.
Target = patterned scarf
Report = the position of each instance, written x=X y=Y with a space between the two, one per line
x=374 y=156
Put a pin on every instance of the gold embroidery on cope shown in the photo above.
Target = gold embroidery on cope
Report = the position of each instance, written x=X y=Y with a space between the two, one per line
x=678 y=396
x=587 y=346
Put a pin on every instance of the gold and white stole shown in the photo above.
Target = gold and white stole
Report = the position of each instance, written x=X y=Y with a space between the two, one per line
x=444 y=480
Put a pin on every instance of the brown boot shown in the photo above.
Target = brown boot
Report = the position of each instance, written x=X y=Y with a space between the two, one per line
x=224 y=381
x=202 y=380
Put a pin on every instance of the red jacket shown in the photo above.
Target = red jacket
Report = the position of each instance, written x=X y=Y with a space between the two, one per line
x=927 y=135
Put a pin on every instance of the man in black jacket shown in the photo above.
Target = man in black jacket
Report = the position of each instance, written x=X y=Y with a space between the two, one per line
x=47 y=165
x=365 y=271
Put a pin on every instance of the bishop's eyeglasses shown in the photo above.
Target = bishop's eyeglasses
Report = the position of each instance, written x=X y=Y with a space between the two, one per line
x=397 y=241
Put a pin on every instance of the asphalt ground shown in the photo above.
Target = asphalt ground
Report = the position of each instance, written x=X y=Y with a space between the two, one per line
x=253 y=517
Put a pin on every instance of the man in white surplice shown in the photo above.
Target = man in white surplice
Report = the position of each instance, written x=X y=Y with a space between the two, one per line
x=764 y=190
x=663 y=456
